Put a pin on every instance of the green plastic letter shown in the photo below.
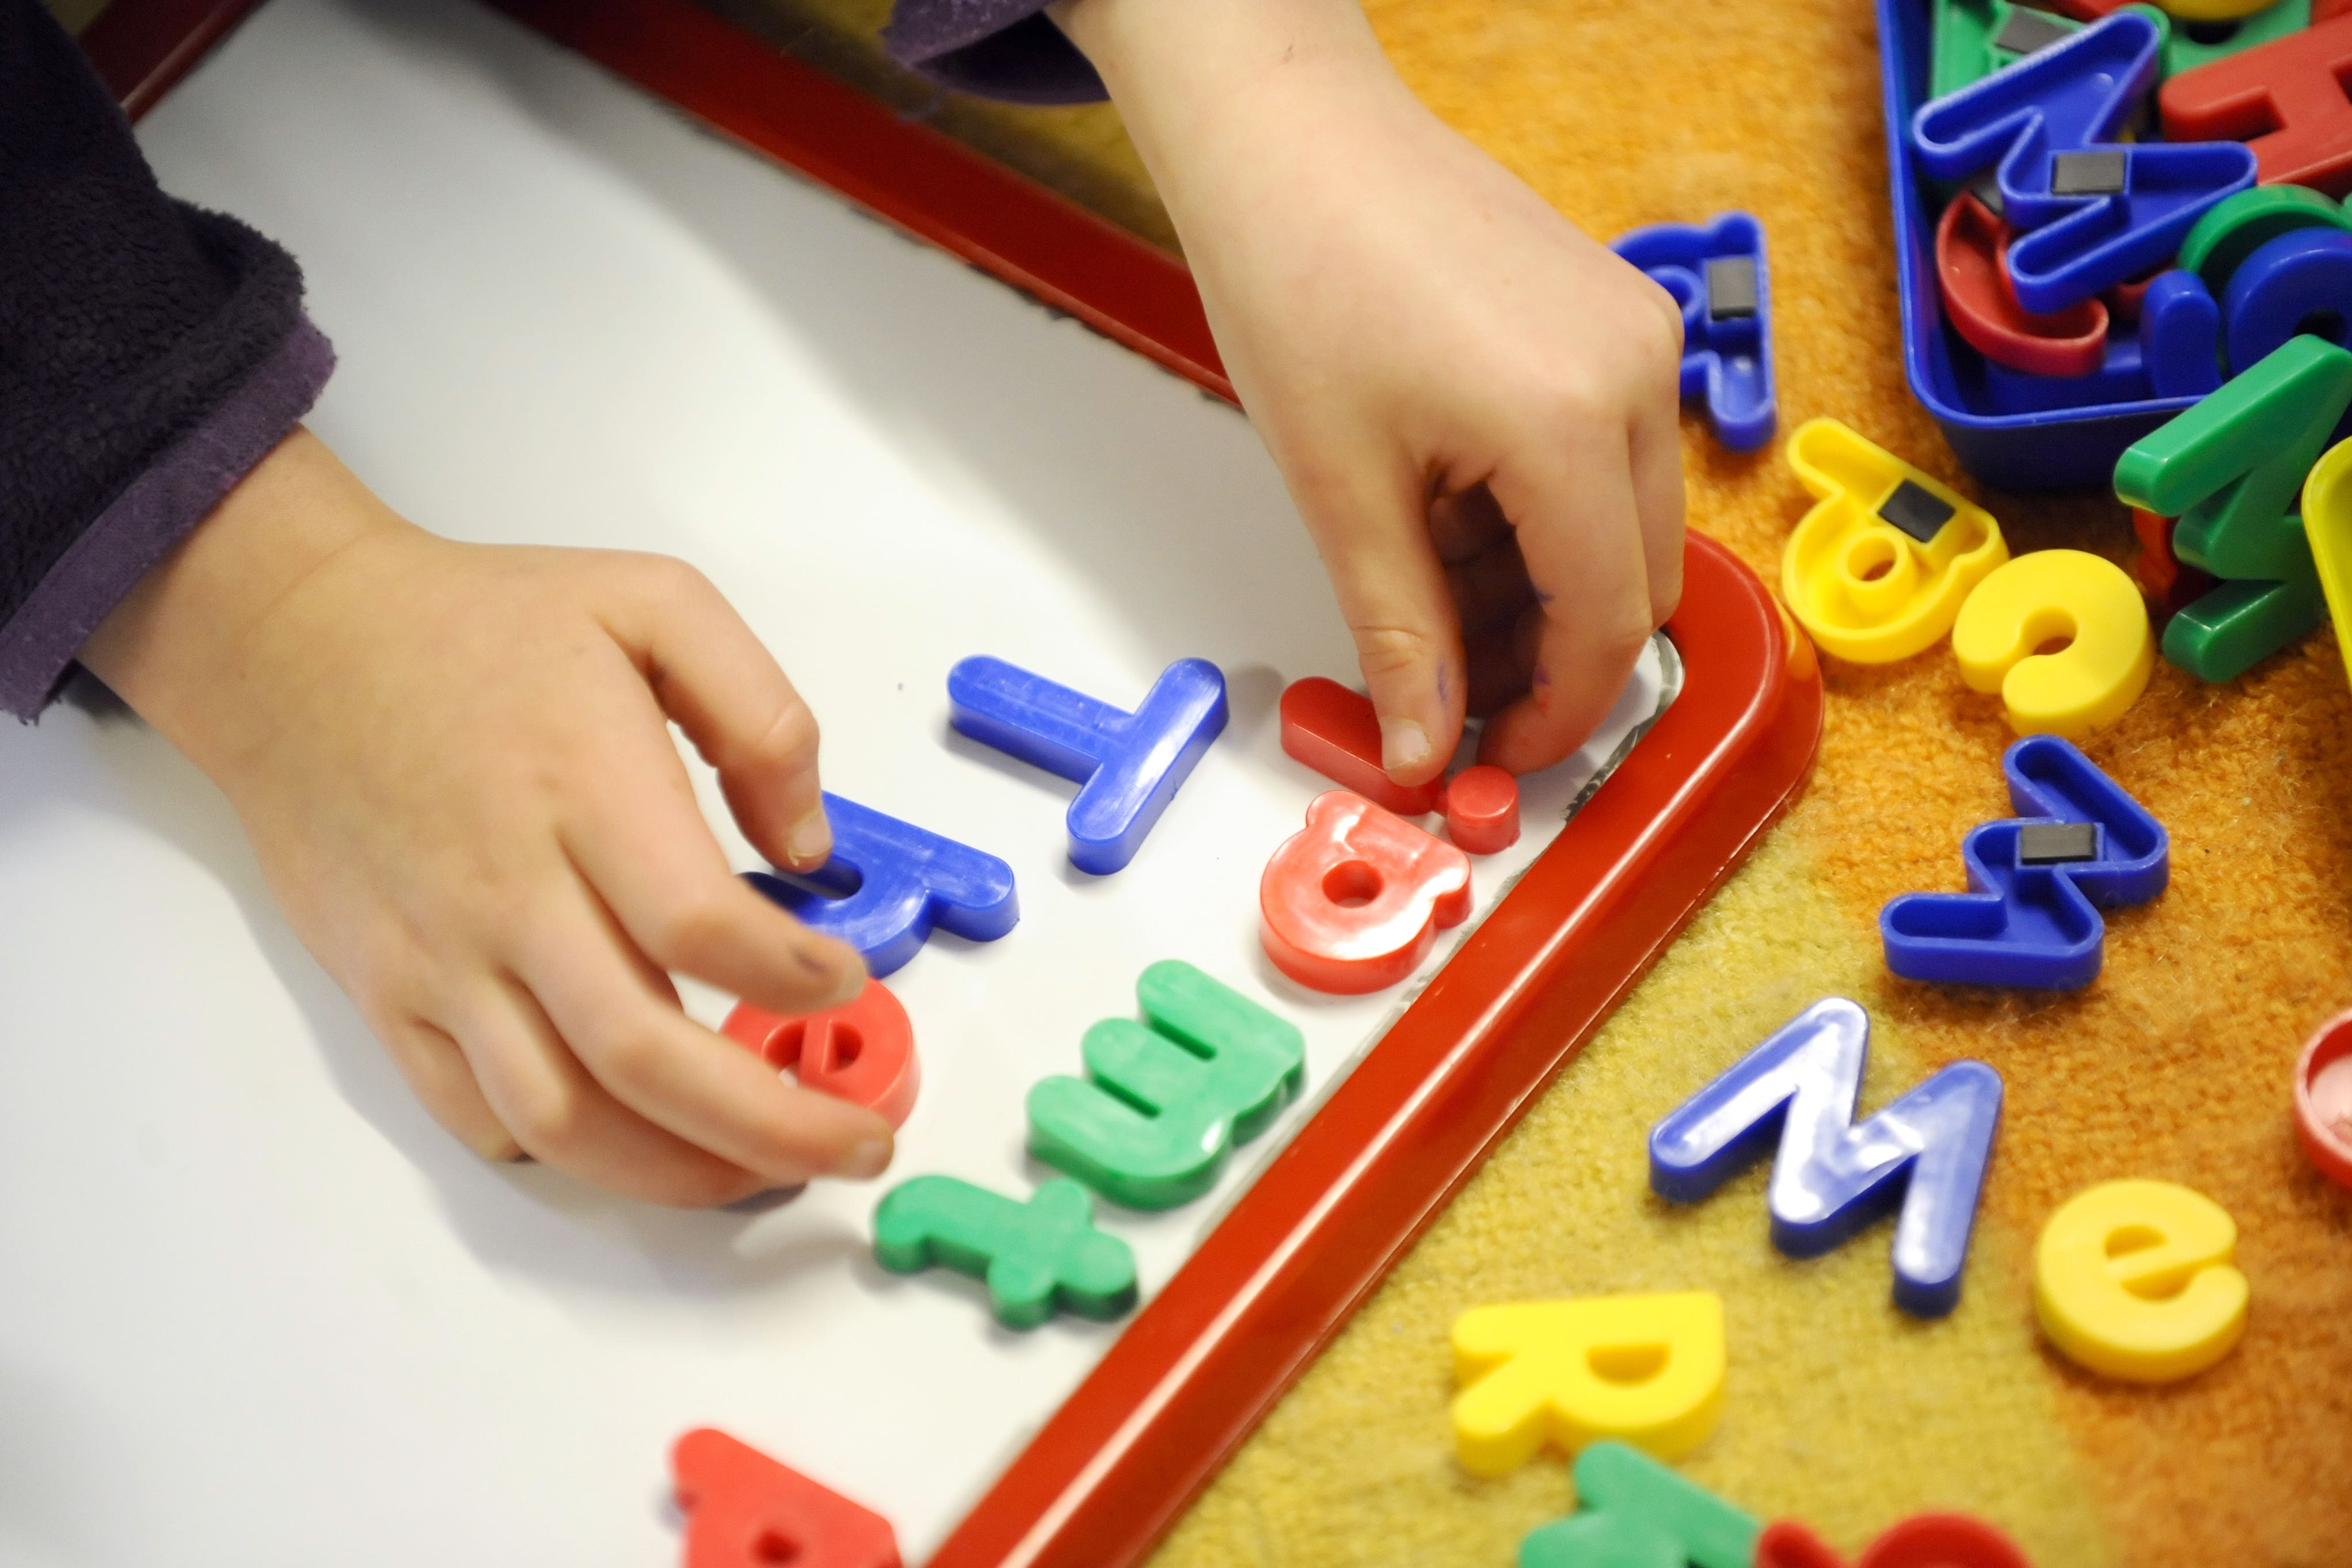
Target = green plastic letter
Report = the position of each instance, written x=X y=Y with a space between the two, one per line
x=1035 y=1256
x=1160 y=1108
x=1634 y=1512
x=2229 y=469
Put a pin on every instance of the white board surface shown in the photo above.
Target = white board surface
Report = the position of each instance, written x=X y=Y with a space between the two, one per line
x=258 y=1308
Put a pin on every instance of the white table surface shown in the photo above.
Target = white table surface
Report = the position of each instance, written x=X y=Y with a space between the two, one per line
x=258 y=1308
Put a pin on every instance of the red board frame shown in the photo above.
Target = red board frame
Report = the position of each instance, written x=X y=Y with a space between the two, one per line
x=143 y=47
x=1205 y=1359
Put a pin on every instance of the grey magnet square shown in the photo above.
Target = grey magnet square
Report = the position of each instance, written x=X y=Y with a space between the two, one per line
x=1730 y=288
x=2088 y=173
x=2056 y=842
x=2029 y=32
x=1918 y=511
x=1986 y=188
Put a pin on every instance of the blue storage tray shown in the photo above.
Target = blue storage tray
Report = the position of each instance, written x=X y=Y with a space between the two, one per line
x=2014 y=451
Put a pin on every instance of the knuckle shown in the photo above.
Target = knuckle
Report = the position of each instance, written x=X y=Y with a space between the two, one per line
x=546 y=1118
x=1664 y=345
x=1564 y=399
x=686 y=929
x=629 y=1062
x=788 y=741
x=1386 y=649
x=509 y=905
x=383 y=971
x=1621 y=636
x=671 y=580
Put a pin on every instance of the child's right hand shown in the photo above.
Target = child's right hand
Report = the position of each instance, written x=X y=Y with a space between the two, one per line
x=1475 y=405
x=455 y=763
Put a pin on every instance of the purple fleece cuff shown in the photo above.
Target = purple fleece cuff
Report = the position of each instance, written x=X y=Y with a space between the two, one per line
x=998 y=49
x=159 y=509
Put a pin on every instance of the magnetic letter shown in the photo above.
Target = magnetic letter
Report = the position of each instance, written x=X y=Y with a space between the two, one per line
x=1034 y=1256
x=2079 y=844
x=2229 y=469
x=1633 y=1512
x=2132 y=1278
x=2327 y=523
x=2285 y=99
x=1802 y=1084
x=1162 y=1107
x=1128 y=766
x=862 y=1051
x=1720 y=279
x=1354 y=902
x=743 y=1510
x=1645 y=1369
x=1878 y=568
x=1335 y=731
x=2052 y=594
x=2049 y=116
x=896 y=882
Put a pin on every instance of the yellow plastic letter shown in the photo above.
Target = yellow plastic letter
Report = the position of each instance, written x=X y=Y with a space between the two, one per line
x=2043 y=597
x=2327 y=523
x=1646 y=1369
x=2212 y=10
x=2132 y=1278
x=1857 y=573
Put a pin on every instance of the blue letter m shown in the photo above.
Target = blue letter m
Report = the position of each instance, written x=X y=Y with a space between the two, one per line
x=1927 y=1151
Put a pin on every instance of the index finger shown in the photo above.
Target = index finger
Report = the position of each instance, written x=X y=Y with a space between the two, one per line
x=637 y=837
x=709 y=671
x=1579 y=533
x=614 y=1013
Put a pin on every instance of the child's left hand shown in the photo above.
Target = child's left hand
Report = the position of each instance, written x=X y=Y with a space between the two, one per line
x=1475 y=405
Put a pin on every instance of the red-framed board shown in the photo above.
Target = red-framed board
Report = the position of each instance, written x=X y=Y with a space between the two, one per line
x=1205 y=1359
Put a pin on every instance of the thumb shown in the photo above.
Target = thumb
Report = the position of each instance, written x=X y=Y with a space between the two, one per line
x=1373 y=534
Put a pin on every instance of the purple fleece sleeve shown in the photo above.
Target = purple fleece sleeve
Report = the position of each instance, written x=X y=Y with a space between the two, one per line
x=997 y=48
x=150 y=353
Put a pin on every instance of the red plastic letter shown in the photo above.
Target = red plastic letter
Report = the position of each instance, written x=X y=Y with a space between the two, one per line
x=1942 y=1541
x=1786 y=1544
x=2167 y=585
x=745 y=1511
x=1972 y=261
x=1335 y=731
x=1482 y=810
x=2284 y=99
x=1353 y=904
x=1924 y=1541
x=862 y=1051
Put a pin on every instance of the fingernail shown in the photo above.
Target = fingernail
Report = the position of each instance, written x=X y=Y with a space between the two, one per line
x=852 y=986
x=812 y=838
x=869 y=1158
x=1404 y=744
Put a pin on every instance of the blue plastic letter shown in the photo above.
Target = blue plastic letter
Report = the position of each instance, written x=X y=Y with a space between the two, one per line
x=2098 y=210
x=1727 y=328
x=2180 y=336
x=1927 y=1151
x=2299 y=282
x=1128 y=766
x=2033 y=918
x=906 y=880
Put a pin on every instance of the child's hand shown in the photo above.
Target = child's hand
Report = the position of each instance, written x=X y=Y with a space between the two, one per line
x=455 y=763
x=1474 y=405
